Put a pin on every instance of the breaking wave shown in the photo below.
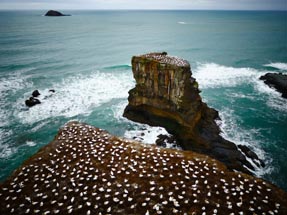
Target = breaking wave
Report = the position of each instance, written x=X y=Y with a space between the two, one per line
x=278 y=65
x=77 y=95
x=240 y=92
x=212 y=75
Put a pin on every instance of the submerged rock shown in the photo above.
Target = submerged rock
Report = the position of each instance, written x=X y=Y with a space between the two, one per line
x=55 y=13
x=167 y=95
x=277 y=81
x=85 y=170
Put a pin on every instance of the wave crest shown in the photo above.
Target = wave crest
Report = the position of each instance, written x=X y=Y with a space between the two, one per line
x=77 y=95
x=278 y=65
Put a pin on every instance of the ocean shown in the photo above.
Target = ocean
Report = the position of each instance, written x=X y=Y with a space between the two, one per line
x=86 y=58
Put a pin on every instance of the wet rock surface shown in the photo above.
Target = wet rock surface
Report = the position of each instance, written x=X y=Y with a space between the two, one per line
x=35 y=93
x=277 y=81
x=32 y=102
x=167 y=95
x=85 y=170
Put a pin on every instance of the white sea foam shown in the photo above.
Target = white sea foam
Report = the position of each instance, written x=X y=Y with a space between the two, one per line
x=232 y=131
x=8 y=86
x=30 y=143
x=140 y=132
x=211 y=75
x=182 y=23
x=278 y=65
x=13 y=82
x=39 y=126
x=6 y=149
x=273 y=98
x=77 y=95
x=145 y=133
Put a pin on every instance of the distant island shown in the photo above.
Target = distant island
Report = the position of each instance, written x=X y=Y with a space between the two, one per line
x=55 y=13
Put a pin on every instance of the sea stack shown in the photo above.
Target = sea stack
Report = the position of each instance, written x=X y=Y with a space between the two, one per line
x=167 y=95
x=86 y=170
x=55 y=13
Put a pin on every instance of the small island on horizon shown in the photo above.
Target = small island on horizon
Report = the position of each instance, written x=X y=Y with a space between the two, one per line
x=55 y=13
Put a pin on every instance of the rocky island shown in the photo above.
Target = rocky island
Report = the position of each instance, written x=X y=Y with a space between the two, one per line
x=167 y=95
x=277 y=81
x=85 y=170
x=55 y=13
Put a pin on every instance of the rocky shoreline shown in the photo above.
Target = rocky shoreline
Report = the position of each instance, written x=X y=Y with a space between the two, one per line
x=167 y=95
x=85 y=170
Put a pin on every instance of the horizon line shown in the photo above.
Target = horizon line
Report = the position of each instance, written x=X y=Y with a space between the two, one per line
x=133 y=9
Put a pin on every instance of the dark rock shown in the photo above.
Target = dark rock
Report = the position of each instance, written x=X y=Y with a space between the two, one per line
x=162 y=140
x=35 y=93
x=52 y=91
x=277 y=81
x=167 y=95
x=247 y=151
x=55 y=13
x=32 y=102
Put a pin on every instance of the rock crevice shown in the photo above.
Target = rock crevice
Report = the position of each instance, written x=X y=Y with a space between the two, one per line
x=167 y=95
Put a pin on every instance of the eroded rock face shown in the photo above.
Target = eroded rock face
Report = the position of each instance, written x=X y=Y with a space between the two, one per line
x=85 y=170
x=167 y=95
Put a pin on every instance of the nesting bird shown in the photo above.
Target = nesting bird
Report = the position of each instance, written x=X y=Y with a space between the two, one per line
x=85 y=170
x=166 y=59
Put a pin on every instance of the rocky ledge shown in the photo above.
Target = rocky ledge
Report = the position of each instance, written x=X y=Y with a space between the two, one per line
x=55 y=13
x=277 y=81
x=167 y=95
x=85 y=170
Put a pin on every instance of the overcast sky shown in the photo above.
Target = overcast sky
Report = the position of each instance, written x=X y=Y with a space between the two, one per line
x=146 y=4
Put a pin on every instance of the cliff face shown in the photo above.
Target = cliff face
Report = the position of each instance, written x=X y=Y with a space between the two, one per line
x=167 y=95
x=85 y=170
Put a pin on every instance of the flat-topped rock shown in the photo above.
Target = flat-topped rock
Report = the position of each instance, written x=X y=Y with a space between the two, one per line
x=163 y=58
x=85 y=170
x=167 y=95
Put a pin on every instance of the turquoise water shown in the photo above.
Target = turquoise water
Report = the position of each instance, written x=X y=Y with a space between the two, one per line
x=86 y=59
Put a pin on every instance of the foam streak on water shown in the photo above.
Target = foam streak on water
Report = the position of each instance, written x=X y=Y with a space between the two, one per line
x=278 y=65
x=230 y=130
